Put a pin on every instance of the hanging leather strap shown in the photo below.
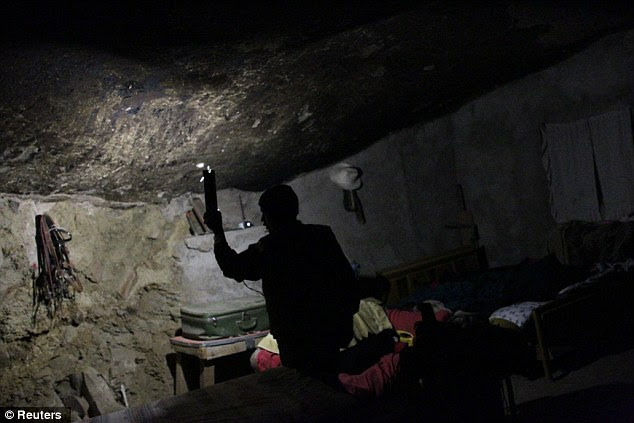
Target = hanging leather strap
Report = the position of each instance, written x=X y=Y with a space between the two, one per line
x=56 y=279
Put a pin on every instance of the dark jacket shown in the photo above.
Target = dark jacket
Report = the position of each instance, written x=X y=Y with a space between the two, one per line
x=308 y=284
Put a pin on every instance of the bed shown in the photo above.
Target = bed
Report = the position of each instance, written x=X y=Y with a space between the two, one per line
x=577 y=294
x=405 y=279
x=598 y=307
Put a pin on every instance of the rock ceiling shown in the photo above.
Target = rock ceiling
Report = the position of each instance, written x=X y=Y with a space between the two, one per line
x=123 y=103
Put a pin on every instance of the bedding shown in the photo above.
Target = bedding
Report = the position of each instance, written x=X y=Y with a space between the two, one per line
x=489 y=290
x=515 y=316
x=376 y=380
x=447 y=346
x=363 y=366
x=370 y=319
x=370 y=364
x=405 y=320
x=602 y=272
x=366 y=369
x=518 y=315
x=263 y=360
x=583 y=243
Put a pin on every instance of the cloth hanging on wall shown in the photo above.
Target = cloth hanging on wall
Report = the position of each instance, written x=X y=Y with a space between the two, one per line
x=567 y=157
x=590 y=167
x=613 y=146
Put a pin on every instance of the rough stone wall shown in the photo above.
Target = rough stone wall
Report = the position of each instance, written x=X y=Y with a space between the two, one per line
x=126 y=121
x=203 y=280
x=408 y=196
x=118 y=325
x=498 y=142
x=138 y=265
x=491 y=146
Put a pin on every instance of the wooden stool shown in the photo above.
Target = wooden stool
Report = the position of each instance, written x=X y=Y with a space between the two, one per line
x=205 y=353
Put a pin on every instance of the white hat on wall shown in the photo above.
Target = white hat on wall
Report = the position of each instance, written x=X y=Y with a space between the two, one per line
x=346 y=176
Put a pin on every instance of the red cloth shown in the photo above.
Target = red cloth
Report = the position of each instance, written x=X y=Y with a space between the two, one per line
x=403 y=319
x=442 y=315
x=406 y=320
x=399 y=346
x=374 y=381
x=268 y=360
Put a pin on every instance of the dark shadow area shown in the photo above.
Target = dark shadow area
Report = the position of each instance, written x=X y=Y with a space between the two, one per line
x=233 y=366
x=225 y=368
x=582 y=355
x=185 y=22
x=170 y=361
x=606 y=330
x=606 y=403
x=376 y=287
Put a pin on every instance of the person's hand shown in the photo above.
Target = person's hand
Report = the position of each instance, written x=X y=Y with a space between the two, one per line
x=213 y=220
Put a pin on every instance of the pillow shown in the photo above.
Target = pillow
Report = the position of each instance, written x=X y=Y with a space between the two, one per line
x=514 y=316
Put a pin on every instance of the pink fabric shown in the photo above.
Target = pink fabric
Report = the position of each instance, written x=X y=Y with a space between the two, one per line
x=268 y=360
x=399 y=346
x=374 y=381
x=406 y=320
x=442 y=315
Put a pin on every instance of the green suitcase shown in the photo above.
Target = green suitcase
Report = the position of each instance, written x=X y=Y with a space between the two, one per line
x=222 y=319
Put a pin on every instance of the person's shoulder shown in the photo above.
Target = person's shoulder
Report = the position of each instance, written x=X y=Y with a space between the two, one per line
x=317 y=228
x=318 y=231
x=262 y=243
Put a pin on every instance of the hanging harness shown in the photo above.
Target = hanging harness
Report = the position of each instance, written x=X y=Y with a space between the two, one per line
x=56 y=279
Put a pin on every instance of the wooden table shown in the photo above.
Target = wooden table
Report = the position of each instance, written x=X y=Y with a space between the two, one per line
x=206 y=352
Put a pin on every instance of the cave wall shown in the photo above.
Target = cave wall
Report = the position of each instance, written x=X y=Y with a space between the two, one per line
x=138 y=265
x=408 y=195
x=491 y=146
x=498 y=142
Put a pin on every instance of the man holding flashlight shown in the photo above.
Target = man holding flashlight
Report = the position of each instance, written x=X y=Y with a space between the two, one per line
x=308 y=284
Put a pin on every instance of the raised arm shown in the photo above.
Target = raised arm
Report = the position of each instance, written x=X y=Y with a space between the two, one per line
x=238 y=266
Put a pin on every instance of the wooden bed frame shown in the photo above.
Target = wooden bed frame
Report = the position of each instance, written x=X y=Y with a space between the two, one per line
x=582 y=319
x=587 y=316
x=405 y=279
x=556 y=321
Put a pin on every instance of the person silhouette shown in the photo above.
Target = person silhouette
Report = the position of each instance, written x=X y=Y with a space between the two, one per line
x=308 y=284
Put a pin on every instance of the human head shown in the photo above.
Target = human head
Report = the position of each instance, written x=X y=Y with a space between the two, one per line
x=279 y=204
